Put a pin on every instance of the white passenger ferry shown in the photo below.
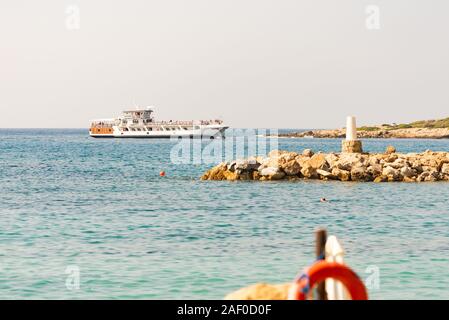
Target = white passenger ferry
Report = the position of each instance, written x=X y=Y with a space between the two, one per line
x=140 y=123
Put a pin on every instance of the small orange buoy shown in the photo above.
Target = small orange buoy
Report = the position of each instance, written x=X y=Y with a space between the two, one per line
x=162 y=173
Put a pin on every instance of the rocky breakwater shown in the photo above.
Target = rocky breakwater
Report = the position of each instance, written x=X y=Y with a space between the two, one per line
x=381 y=133
x=379 y=167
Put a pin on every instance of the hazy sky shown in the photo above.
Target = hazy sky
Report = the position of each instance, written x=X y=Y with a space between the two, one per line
x=255 y=63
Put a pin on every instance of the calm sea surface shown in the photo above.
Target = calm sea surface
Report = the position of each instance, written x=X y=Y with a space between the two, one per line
x=69 y=202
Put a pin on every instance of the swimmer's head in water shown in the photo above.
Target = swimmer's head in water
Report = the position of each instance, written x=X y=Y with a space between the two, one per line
x=323 y=200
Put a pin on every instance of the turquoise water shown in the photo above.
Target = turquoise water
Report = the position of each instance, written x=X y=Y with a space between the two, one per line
x=100 y=205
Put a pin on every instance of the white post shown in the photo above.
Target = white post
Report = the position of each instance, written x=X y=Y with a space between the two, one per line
x=334 y=253
x=351 y=129
x=351 y=144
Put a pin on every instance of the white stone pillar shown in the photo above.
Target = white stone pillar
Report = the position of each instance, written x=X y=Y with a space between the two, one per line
x=351 y=144
x=351 y=129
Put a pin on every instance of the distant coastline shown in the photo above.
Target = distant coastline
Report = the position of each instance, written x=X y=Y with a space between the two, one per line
x=428 y=129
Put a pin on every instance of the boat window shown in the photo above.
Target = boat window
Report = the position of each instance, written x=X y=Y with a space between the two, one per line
x=196 y=127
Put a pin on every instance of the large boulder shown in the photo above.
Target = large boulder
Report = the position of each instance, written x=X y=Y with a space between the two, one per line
x=445 y=168
x=391 y=173
x=230 y=175
x=398 y=163
x=318 y=161
x=274 y=153
x=288 y=156
x=325 y=174
x=391 y=158
x=348 y=160
x=428 y=176
x=307 y=153
x=250 y=164
x=381 y=179
x=308 y=171
x=272 y=173
x=331 y=159
x=408 y=172
x=390 y=150
x=359 y=173
x=291 y=168
x=216 y=173
x=343 y=175
x=374 y=170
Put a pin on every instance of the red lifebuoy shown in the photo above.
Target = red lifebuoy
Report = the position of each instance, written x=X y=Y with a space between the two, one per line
x=321 y=270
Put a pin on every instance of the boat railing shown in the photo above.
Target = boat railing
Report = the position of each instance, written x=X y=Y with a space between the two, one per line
x=169 y=123
x=102 y=125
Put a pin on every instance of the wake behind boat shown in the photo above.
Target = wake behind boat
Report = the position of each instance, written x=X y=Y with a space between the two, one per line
x=140 y=123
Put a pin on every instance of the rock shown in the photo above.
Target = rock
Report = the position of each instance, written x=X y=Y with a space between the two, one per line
x=230 y=175
x=272 y=173
x=391 y=173
x=398 y=164
x=231 y=166
x=408 y=172
x=359 y=174
x=341 y=174
x=270 y=162
x=428 y=176
x=302 y=160
x=445 y=168
x=275 y=153
x=381 y=179
x=409 y=179
x=374 y=170
x=261 y=291
x=277 y=176
x=372 y=161
x=391 y=158
x=390 y=150
x=376 y=132
x=331 y=159
x=216 y=173
x=307 y=153
x=416 y=165
x=431 y=178
x=324 y=174
x=268 y=171
x=288 y=156
x=256 y=175
x=260 y=159
x=292 y=168
x=245 y=176
x=246 y=165
x=348 y=160
x=308 y=171
x=318 y=161
x=410 y=167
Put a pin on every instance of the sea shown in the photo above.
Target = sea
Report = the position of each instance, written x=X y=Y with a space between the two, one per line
x=85 y=218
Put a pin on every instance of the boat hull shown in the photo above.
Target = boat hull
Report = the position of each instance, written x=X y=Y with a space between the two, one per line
x=204 y=132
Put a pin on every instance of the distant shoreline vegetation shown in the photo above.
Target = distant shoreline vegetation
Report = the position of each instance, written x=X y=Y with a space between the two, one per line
x=431 y=124
x=423 y=129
